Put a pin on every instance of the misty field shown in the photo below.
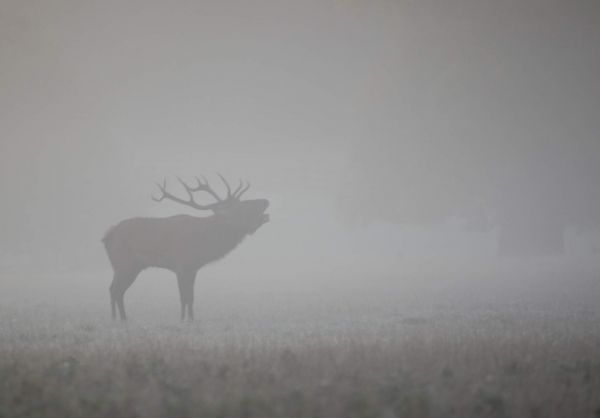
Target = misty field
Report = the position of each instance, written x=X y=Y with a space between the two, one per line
x=482 y=362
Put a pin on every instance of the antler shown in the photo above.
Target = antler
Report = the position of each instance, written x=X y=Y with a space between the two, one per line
x=204 y=187
x=190 y=202
x=240 y=191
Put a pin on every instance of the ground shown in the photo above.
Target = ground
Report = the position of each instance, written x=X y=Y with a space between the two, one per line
x=443 y=362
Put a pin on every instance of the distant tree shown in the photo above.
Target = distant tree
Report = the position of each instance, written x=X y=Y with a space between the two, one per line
x=493 y=119
x=531 y=197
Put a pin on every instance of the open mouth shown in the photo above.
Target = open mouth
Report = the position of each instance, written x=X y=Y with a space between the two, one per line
x=263 y=220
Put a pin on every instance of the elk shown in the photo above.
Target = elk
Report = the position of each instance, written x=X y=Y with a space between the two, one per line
x=181 y=243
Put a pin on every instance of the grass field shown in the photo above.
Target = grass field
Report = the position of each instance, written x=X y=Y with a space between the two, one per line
x=442 y=363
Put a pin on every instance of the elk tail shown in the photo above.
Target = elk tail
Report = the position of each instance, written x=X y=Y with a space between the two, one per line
x=107 y=237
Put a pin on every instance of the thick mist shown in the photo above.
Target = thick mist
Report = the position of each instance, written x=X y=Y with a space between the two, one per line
x=314 y=208
x=410 y=151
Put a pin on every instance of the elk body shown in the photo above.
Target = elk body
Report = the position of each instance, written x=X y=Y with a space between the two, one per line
x=180 y=243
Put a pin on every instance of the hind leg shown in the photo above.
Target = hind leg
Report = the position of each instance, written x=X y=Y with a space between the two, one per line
x=113 y=300
x=121 y=282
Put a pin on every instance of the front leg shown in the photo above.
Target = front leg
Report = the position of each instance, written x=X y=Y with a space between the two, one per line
x=186 y=294
x=189 y=296
x=181 y=285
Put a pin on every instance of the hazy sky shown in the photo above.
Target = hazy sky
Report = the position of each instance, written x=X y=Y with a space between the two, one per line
x=368 y=124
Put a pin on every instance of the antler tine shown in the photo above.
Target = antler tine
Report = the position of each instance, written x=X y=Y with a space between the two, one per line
x=204 y=187
x=226 y=185
x=203 y=182
x=238 y=188
x=190 y=202
x=162 y=188
x=244 y=190
x=187 y=188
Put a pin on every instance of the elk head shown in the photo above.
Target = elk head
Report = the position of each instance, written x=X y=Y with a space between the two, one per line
x=245 y=215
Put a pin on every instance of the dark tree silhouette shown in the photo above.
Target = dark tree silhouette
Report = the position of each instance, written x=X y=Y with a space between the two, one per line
x=181 y=243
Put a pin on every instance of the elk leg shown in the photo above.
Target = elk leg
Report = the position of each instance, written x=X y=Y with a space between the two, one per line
x=113 y=304
x=186 y=294
x=181 y=284
x=119 y=285
x=114 y=295
x=113 y=308
x=190 y=297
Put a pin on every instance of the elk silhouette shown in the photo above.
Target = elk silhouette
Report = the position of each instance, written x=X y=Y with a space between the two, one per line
x=181 y=243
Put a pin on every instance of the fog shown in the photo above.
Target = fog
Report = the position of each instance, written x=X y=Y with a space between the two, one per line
x=411 y=151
